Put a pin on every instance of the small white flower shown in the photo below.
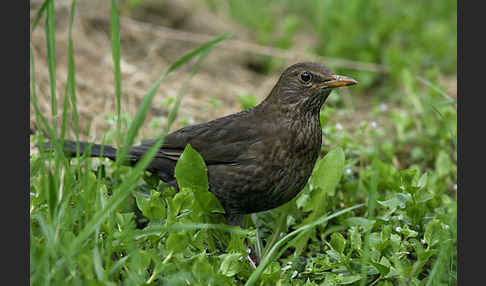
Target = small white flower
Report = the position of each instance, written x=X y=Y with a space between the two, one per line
x=373 y=124
x=422 y=240
x=400 y=217
x=191 y=121
x=455 y=187
x=383 y=107
x=348 y=171
x=339 y=126
x=398 y=229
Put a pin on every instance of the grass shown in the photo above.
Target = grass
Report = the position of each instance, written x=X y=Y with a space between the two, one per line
x=379 y=209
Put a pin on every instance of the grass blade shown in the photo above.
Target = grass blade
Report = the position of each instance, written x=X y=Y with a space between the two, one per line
x=38 y=15
x=72 y=77
x=115 y=46
x=174 y=111
x=51 y=59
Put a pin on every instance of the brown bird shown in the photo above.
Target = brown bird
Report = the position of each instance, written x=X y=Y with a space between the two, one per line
x=259 y=158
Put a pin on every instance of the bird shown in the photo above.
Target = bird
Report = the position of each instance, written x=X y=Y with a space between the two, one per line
x=257 y=159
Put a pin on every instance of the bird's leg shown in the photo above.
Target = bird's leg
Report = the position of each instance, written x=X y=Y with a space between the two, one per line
x=237 y=220
x=255 y=252
x=252 y=257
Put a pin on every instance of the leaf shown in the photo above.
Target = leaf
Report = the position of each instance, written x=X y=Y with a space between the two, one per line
x=181 y=202
x=152 y=207
x=355 y=238
x=381 y=268
x=328 y=171
x=326 y=176
x=426 y=254
x=203 y=270
x=191 y=171
x=407 y=232
x=177 y=242
x=191 y=174
x=349 y=279
x=386 y=233
x=338 y=242
x=271 y=273
x=366 y=224
x=443 y=164
x=422 y=181
x=398 y=200
x=230 y=265
x=432 y=232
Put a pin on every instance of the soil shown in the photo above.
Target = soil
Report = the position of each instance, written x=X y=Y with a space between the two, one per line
x=145 y=56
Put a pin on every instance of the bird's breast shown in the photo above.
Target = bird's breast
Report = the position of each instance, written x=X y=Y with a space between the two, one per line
x=288 y=159
x=272 y=171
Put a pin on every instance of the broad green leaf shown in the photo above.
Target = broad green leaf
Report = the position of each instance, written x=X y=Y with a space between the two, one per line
x=177 y=241
x=230 y=265
x=432 y=232
x=383 y=269
x=338 y=242
x=386 y=232
x=398 y=200
x=366 y=224
x=355 y=238
x=271 y=273
x=191 y=171
x=191 y=175
x=203 y=270
x=422 y=181
x=443 y=164
x=326 y=176
x=152 y=207
x=328 y=172
x=349 y=279
x=407 y=232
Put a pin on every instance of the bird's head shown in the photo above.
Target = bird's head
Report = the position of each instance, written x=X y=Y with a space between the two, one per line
x=306 y=86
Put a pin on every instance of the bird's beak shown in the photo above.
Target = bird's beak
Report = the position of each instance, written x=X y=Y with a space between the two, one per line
x=338 y=81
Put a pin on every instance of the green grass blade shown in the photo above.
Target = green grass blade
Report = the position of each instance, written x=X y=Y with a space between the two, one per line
x=51 y=59
x=116 y=53
x=174 y=111
x=184 y=59
x=72 y=77
x=39 y=14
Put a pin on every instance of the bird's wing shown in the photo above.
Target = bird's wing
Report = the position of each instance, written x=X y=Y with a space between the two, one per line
x=221 y=141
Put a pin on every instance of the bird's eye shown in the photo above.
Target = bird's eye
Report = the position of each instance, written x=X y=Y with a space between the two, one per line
x=305 y=77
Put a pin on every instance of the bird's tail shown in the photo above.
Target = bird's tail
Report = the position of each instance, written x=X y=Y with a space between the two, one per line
x=94 y=150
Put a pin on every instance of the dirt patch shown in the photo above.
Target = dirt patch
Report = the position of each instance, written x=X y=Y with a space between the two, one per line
x=145 y=56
